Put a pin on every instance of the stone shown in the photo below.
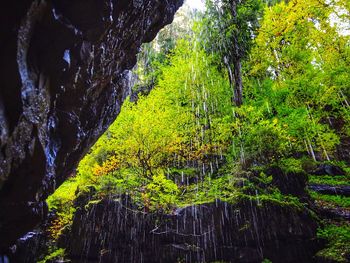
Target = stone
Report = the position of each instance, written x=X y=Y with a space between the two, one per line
x=331 y=189
x=328 y=169
x=289 y=183
x=114 y=230
x=64 y=73
x=28 y=247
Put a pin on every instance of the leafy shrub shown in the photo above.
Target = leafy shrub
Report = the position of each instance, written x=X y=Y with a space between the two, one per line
x=62 y=203
x=160 y=193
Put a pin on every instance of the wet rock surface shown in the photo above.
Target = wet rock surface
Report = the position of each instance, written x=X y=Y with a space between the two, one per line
x=337 y=213
x=328 y=169
x=289 y=183
x=329 y=211
x=64 y=74
x=115 y=231
x=331 y=189
x=28 y=247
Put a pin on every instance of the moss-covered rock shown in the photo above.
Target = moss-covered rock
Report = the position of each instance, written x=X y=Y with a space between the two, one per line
x=288 y=182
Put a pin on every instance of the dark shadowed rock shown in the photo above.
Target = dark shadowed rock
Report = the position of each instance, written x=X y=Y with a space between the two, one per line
x=28 y=247
x=331 y=189
x=337 y=213
x=289 y=183
x=328 y=169
x=64 y=75
x=115 y=231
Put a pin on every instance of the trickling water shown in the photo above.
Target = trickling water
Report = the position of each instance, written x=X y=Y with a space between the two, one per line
x=66 y=56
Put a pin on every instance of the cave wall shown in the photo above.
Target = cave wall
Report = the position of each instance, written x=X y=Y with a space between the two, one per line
x=64 y=75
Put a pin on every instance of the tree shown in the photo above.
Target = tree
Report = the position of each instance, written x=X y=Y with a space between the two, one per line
x=228 y=30
x=155 y=54
x=181 y=119
x=299 y=69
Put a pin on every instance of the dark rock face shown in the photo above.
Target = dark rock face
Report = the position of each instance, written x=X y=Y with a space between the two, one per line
x=337 y=213
x=289 y=183
x=328 y=169
x=331 y=189
x=343 y=150
x=63 y=73
x=115 y=231
x=29 y=247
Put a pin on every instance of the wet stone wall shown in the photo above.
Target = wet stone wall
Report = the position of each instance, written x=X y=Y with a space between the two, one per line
x=115 y=231
x=64 y=75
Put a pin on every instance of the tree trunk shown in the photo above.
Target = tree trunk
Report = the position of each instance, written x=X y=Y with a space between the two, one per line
x=236 y=59
x=231 y=80
x=238 y=90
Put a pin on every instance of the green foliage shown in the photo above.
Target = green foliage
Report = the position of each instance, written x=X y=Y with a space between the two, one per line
x=291 y=165
x=290 y=86
x=259 y=140
x=338 y=237
x=330 y=180
x=161 y=193
x=154 y=55
x=62 y=202
x=54 y=254
x=172 y=120
x=111 y=184
x=219 y=29
x=332 y=200
x=147 y=133
x=295 y=112
x=63 y=196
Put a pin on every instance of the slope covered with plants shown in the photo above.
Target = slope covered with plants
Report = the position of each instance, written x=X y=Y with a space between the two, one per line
x=249 y=102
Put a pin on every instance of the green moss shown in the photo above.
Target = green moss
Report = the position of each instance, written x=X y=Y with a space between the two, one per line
x=63 y=196
x=54 y=254
x=61 y=201
x=276 y=198
x=329 y=180
x=332 y=200
x=347 y=171
x=338 y=238
x=291 y=165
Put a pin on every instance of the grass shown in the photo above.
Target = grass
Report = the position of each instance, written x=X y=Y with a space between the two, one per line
x=329 y=180
x=332 y=200
x=338 y=238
